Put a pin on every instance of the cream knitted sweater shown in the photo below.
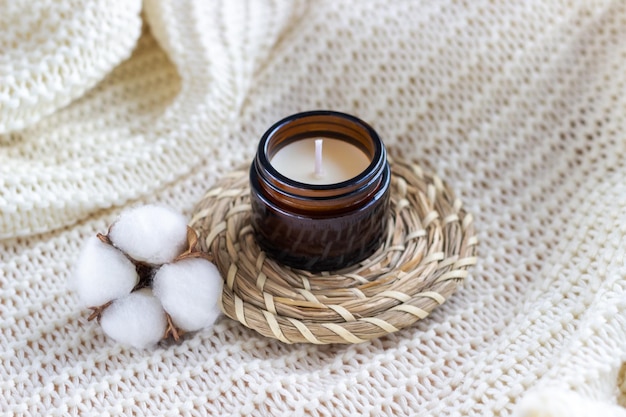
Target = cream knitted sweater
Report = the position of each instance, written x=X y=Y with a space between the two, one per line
x=519 y=105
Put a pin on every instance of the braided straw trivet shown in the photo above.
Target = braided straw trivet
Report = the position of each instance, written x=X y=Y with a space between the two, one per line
x=429 y=246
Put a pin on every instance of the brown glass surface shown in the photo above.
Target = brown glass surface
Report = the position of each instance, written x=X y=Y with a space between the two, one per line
x=320 y=227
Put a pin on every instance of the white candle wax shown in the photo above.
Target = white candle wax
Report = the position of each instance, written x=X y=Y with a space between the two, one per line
x=340 y=161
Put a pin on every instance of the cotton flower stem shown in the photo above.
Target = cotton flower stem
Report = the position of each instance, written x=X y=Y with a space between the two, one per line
x=194 y=255
x=172 y=330
x=104 y=238
x=96 y=312
x=192 y=250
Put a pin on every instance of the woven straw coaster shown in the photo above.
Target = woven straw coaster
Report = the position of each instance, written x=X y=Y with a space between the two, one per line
x=430 y=244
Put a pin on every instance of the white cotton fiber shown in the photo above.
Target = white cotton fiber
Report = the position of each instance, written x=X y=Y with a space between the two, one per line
x=102 y=274
x=189 y=291
x=136 y=320
x=152 y=234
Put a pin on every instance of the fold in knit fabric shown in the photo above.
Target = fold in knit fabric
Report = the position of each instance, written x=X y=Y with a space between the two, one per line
x=53 y=52
x=518 y=106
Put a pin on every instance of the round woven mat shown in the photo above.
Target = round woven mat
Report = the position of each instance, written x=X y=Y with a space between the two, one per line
x=429 y=246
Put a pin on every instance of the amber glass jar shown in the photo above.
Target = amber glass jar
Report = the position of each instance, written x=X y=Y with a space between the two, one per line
x=320 y=227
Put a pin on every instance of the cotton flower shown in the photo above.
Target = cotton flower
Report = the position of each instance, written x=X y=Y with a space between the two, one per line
x=146 y=280
x=151 y=234
x=137 y=319
x=102 y=274
x=189 y=290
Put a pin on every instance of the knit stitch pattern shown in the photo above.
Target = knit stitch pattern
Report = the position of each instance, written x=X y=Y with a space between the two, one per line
x=52 y=52
x=519 y=106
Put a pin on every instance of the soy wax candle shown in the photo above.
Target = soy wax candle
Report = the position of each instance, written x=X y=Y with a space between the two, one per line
x=320 y=191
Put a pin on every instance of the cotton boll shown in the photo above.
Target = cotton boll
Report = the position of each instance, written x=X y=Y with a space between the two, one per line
x=189 y=291
x=137 y=319
x=102 y=274
x=152 y=234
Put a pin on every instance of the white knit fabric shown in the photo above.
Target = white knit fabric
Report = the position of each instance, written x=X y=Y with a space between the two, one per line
x=520 y=106
x=52 y=52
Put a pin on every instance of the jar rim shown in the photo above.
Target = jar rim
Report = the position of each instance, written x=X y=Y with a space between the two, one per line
x=317 y=117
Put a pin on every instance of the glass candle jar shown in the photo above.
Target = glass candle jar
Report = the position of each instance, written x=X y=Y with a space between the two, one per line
x=326 y=225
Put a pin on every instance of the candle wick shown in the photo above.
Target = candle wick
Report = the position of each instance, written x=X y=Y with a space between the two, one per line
x=318 y=157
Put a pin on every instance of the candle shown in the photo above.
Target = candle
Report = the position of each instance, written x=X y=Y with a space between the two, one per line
x=319 y=191
x=320 y=161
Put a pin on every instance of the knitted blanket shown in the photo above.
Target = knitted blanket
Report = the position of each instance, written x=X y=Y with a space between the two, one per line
x=518 y=105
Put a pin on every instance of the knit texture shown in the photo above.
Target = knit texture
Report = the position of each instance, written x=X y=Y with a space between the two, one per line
x=52 y=52
x=519 y=106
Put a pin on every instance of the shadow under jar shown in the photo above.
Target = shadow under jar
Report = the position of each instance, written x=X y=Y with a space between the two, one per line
x=327 y=223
